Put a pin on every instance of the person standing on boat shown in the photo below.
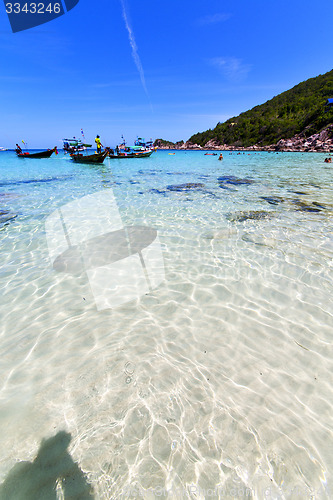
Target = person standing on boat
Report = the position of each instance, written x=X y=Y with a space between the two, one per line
x=98 y=144
x=18 y=149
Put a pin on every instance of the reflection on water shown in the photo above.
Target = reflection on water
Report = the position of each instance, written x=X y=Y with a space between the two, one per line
x=51 y=475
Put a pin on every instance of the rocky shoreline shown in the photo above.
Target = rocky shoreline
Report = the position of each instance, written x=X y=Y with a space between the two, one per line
x=319 y=143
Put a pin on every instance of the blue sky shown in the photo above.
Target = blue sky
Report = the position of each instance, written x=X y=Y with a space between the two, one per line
x=155 y=69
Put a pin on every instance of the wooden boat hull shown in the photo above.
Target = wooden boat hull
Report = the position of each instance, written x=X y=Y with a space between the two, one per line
x=42 y=154
x=122 y=156
x=95 y=158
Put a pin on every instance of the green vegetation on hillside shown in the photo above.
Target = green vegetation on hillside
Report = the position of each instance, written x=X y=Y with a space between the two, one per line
x=298 y=110
x=167 y=144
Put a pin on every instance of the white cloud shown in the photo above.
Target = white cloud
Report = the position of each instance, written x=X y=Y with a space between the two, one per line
x=134 y=47
x=232 y=68
x=213 y=19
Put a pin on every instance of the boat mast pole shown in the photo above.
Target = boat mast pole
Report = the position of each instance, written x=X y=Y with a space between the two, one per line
x=84 y=139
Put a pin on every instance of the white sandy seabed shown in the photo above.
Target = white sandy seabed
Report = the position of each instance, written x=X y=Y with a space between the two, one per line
x=216 y=385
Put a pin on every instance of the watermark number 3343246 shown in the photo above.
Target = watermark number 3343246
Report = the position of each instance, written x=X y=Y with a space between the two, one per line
x=24 y=15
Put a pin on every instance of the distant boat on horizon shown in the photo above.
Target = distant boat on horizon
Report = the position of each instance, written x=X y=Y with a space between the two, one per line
x=3 y=149
x=141 y=145
x=74 y=145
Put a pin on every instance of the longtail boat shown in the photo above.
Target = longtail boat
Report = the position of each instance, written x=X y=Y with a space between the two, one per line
x=41 y=154
x=95 y=158
x=120 y=156
x=74 y=145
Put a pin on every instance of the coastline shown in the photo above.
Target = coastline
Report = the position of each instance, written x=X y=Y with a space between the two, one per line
x=258 y=149
x=321 y=142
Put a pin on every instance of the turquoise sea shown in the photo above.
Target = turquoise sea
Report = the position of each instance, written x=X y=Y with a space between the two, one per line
x=216 y=382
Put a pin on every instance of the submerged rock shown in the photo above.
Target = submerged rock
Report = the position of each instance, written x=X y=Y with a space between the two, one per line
x=6 y=216
x=319 y=205
x=221 y=234
x=158 y=191
x=310 y=209
x=306 y=207
x=35 y=181
x=234 y=181
x=9 y=196
x=260 y=240
x=251 y=215
x=272 y=200
x=149 y=172
x=185 y=187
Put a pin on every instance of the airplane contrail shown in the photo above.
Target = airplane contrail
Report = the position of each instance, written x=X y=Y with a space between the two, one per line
x=134 y=47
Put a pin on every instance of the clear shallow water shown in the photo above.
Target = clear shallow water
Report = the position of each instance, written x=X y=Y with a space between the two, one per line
x=218 y=383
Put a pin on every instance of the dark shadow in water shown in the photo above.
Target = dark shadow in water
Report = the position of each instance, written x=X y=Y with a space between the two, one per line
x=38 y=480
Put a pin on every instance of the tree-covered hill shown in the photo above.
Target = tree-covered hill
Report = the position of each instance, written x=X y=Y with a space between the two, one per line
x=163 y=144
x=300 y=110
